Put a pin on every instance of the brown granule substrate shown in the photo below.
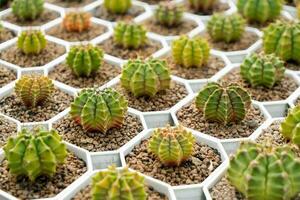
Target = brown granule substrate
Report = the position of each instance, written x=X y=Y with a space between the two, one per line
x=97 y=141
x=151 y=2
x=65 y=75
x=196 y=169
x=70 y=3
x=7 y=129
x=292 y=66
x=218 y=7
x=6 y=34
x=163 y=100
x=43 y=187
x=224 y=191
x=12 y=106
x=6 y=76
x=262 y=26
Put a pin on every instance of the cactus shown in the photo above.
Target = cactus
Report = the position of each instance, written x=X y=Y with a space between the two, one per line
x=190 y=52
x=226 y=28
x=85 y=60
x=27 y=9
x=290 y=127
x=130 y=35
x=172 y=146
x=31 y=42
x=118 y=185
x=262 y=70
x=98 y=110
x=169 y=14
x=34 y=89
x=262 y=171
x=202 y=5
x=77 y=21
x=145 y=78
x=117 y=6
x=35 y=153
x=223 y=104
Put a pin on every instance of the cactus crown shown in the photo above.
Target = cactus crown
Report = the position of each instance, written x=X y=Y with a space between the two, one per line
x=146 y=78
x=31 y=42
x=34 y=89
x=172 y=146
x=35 y=153
x=190 y=52
x=98 y=110
x=130 y=35
x=202 y=5
x=77 y=21
x=169 y=14
x=290 y=127
x=117 y=6
x=27 y=9
x=85 y=60
x=261 y=171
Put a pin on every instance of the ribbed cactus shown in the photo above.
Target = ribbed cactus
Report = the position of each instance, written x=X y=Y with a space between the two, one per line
x=35 y=153
x=226 y=28
x=98 y=110
x=117 y=6
x=190 y=52
x=130 y=35
x=169 y=14
x=290 y=127
x=145 y=78
x=116 y=184
x=283 y=39
x=31 y=42
x=262 y=70
x=27 y=9
x=265 y=172
x=172 y=146
x=77 y=21
x=223 y=104
x=202 y=5
x=34 y=89
x=85 y=60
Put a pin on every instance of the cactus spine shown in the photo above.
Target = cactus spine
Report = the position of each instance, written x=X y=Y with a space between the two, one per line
x=117 y=6
x=290 y=127
x=202 y=5
x=27 y=9
x=169 y=14
x=31 y=42
x=77 y=21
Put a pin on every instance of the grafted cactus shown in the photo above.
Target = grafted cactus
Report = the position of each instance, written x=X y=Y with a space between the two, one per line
x=262 y=171
x=169 y=14
x=145 y=78
x=190 y=52
x=34 y=89
x=35 y=153
x=27 y=9
x=98 y=110
x=223 y=104
x=77 y=21
x=117 y=6
x=262 y=70
x=172 y=146
x=290 y=127
x=202 y=5
x=85 y=60
x=31 y=42
x=118 y=185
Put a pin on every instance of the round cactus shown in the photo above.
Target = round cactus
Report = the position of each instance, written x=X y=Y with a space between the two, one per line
x=27 y=9
x=98 y=110
x=172 y=146
x=77 y=21
x=202 y=5
x=290 y=127
x=117 y=6
x=145 y=78
x=34 y=89
x=31 y=42
x=262 y=70
x=190 y=52
x=169 y=14
x=226 y=28
x=85 y=60
x=36 y=153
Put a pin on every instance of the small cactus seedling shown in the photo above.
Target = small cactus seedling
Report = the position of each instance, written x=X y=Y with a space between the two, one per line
x=290 y=127
x=77 y=21
x=169 y=14
x=202 y=5
x=262 y=171
x=226 y=28
x=35 y=153
x=192 y=52
x=85 y=60
x=145 y=78
x=118 y=185
x=31 y=42
x=223 y=104
x=117 y=6
x=98 y=110
x=262 y=70
x=27 y=9
x=172 y=146
x=34 y=89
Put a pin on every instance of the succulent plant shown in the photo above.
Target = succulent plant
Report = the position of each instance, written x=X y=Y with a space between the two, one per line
x=117 y=6
x=118 y=185
x=262 y=171
x=35 y=153
x=31 y=42
x=172 y=146
x=169 y=14
x=97 y=110
x=27 y=9
x=290 y=127
x=77 y=21
x=262 y=70
x=190 y=52
x=145 y=78
x=202 y=5
x=34 y=89
x=226 y=28
x=85 y=60
x=130 y=35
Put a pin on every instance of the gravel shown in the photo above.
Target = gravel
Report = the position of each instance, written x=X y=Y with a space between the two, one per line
x=7 y=129
x=6 y=34
x=224 y=191
x=6 y=76
x=68 y=4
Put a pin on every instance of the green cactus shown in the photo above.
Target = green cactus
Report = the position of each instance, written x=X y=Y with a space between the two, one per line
x=260 y=171
x=129 y=35
x=98 y=110
x=172 y=146
x=117 y=6
x=34 y=89
x=190 y=52
x=145 y=78
x=35 y=153
x=169 y=14
x=85 y=60
x=262 y=70
x=27 y=9
x=31 y=42
x=226 y=28
x=202 y=5
x=290 y=127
